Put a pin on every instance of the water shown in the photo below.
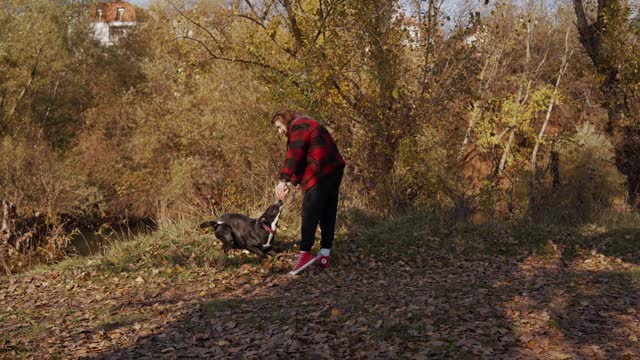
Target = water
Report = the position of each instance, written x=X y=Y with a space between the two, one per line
x=87 y=241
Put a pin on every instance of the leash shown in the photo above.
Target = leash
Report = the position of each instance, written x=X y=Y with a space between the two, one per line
x=271 y=229
x=268 y=229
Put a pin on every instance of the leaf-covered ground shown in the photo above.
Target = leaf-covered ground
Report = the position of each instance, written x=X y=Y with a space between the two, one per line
x=430 y=306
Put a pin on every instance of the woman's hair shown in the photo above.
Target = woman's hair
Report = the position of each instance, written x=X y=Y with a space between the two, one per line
x=286 y=116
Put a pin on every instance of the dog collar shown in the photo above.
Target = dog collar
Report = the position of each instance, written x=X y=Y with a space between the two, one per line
x=268 y=229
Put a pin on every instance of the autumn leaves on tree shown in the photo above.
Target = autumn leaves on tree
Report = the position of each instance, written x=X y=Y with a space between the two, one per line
x=432 y=107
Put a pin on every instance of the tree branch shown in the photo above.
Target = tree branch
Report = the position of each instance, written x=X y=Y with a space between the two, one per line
x=197 y=25
x=321 y=26
x=295 y=29
x=34 y=71
x=232 y=59
x=563 y=68
x=271 y=36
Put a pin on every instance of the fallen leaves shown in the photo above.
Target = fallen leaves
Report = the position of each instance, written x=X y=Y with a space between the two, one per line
x=335 y=313
x=468 y=308
x=222 y=343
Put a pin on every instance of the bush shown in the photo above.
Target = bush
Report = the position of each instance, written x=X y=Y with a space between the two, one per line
x=424 y=174
x=34 y=176
x=589 y=179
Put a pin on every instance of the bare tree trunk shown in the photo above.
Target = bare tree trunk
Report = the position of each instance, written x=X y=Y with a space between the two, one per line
x=633 y=188
x=34 y=71
x=519 y=100
x=512 y=131
x=533 y=181
x=293 y=24
x=507 y=151
x=477 y=106
x=563 y=68
x=467 y=135
x=555 y=170
x=8 y=216
x=432 y=15
x=50 y=106
x=622 y=122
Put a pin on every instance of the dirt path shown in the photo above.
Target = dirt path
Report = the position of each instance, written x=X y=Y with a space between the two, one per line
x=492 y=308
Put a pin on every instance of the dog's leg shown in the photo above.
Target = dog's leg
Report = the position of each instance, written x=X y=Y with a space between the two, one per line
x=255 y=250
x=224 y=233
x=211 y=224
x=273 y=229
x=268 y=243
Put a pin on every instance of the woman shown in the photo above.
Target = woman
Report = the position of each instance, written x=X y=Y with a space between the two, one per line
x=314 y=163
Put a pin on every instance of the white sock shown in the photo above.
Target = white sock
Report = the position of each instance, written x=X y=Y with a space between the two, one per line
x=324 y=252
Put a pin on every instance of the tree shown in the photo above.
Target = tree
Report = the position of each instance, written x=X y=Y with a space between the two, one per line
x=611 y=41
x=367 y=68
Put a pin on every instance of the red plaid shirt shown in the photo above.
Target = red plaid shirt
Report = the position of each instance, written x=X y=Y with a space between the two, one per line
x=311 y=153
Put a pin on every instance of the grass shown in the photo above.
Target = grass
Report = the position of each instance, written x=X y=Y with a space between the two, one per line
x=33 y=330
x=220 y=305
x=117 y=321
x=409 y=237
x=629 y=275
x=554 y=324
x=181 y=250
x=634 y=274
x=383 y=239
x=179 y=245
x=173 y=248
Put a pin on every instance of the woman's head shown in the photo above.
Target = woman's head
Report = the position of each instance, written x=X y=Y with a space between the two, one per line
x=282 y=120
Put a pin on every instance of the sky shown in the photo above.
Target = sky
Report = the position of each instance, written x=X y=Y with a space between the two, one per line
x=449 y=5
x=141 y=3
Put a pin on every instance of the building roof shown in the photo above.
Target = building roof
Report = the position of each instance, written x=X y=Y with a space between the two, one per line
x=110 y=12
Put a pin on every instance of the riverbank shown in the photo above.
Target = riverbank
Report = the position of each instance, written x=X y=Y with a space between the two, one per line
x=28 y=240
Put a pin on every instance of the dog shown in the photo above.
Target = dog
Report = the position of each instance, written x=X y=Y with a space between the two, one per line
x=237 y=231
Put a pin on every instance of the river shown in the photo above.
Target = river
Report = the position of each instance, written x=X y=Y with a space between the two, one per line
x=87 y=241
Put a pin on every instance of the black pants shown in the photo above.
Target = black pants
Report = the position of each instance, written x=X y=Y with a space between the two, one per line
x=320 y=205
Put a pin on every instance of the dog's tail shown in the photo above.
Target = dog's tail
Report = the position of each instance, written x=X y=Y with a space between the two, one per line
x=211 y=224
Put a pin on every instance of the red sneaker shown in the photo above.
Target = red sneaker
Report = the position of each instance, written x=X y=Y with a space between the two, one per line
x=305 y=259
x=323 y=261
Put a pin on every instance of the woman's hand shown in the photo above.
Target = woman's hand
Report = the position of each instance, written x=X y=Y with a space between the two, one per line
x=282 y=190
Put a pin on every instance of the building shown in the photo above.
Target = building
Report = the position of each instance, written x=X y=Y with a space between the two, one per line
x=112 y=21
x=411 y=27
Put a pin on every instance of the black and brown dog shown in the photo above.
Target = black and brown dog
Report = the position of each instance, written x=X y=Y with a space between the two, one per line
x=237 y=231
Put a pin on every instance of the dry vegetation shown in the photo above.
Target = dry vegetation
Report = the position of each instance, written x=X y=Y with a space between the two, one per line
x=485 y=112
x=492 y=173
x=493 y=114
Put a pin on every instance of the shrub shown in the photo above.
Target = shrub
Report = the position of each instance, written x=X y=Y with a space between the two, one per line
x=589 y=179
